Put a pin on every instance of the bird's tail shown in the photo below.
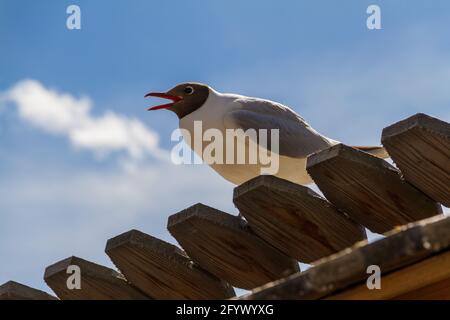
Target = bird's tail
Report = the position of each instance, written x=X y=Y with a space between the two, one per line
x=376 y=151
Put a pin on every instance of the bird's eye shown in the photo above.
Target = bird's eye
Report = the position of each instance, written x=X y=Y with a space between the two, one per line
x=189 y=90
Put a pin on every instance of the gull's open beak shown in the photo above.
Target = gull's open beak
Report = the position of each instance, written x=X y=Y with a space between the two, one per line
x=163 y=95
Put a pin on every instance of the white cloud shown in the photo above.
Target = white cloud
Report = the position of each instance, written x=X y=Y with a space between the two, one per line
x=63 y=114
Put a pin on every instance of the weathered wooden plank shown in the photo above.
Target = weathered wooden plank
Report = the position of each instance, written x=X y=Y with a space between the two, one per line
x=97 y=282
x=427 y=279
x=420 y=147
x=435 y=291
x=12 y=290
x=368 y=189
x=295 y=219
x=402 y=247
x=162 y=270
x=224 y=245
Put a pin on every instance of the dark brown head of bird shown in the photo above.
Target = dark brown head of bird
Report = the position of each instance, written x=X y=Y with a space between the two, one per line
x=185 y=97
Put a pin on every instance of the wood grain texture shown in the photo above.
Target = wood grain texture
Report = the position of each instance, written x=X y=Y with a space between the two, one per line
x=12 y=290
x=368 y=189
x=162 y=270
x=97 y=282
x=435 y=291
x=224 y=245
x=295 y=219
x=427 y=279
x=402 y=247
x=420 y=147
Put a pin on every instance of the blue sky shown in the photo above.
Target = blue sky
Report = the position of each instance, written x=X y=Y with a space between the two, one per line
x=63 y=195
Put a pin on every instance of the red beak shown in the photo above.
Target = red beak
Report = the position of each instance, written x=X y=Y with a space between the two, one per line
x=174 y=99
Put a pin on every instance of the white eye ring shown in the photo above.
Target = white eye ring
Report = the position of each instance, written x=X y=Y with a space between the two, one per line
x=189 y=90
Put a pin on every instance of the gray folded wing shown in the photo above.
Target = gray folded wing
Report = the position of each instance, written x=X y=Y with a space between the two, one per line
x=296 y=138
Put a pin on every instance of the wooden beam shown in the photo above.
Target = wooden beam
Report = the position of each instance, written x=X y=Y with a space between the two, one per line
x=368 y=189
x=402 y=247
x=224 y=245
x=427 y=279
x=97 y=282
x=12 y=290
x=162 y=270
x=420 y=147
x=435 y=291
x=295 y=219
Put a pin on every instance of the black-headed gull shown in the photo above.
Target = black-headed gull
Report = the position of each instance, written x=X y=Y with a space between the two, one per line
x=199 y=103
